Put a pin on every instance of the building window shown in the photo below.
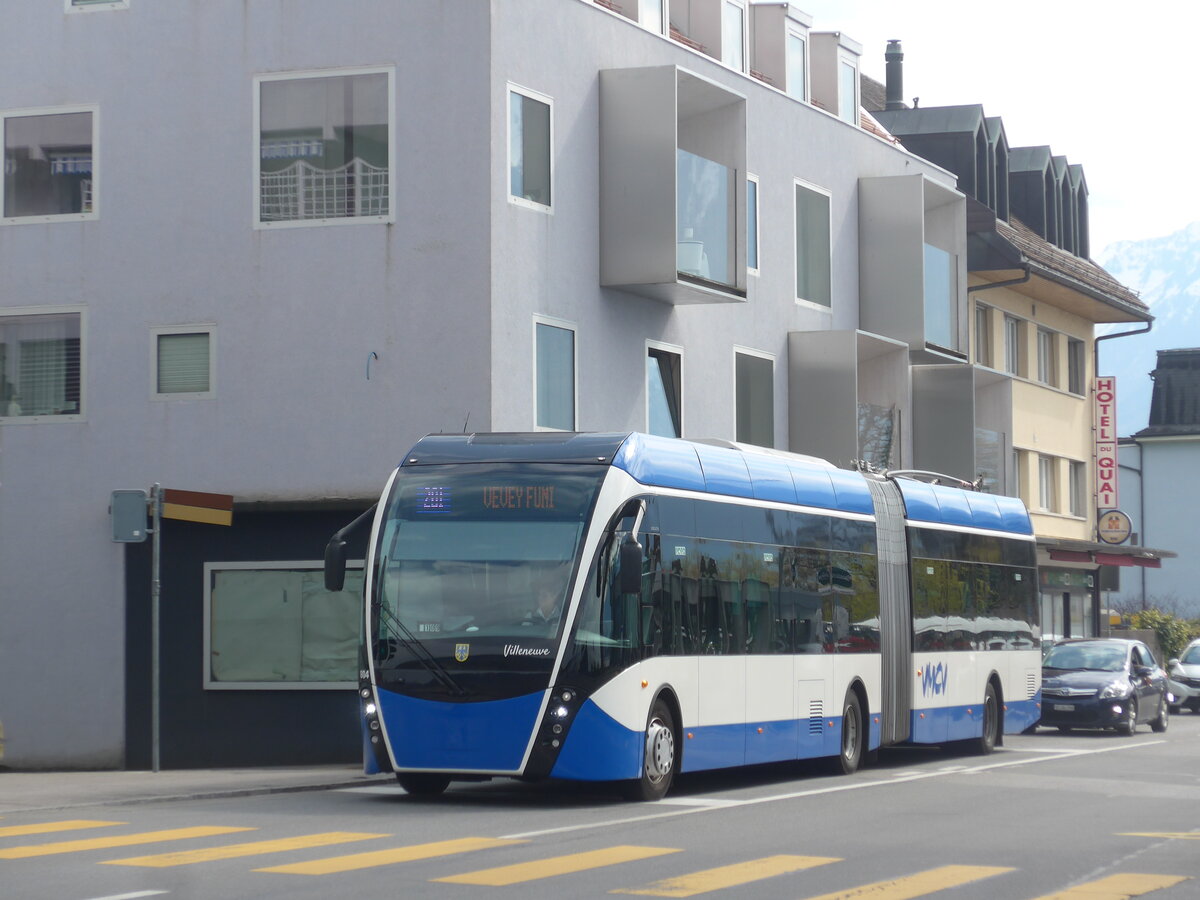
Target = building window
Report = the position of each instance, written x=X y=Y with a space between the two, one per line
x=40 y=365
x=325 y=148
x=48 y=171
x=812 y=246
x=704 y=206
x=941 y=322
x=273 y=625
x=848 y=92
x=733 y=35
x=1013 y=333
x=664 y=392
x=183 y=362
x=1046 y=357
x=983 y=335
x=554 y=375
x=1047 y=483
x=530 y=147
x=752 y=223
x=652 y=15
x=1078 y=487
x=754 y=378
x=1076 y=366
x=797 y=66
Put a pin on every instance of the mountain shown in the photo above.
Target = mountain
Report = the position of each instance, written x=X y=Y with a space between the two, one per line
x=1166 y=272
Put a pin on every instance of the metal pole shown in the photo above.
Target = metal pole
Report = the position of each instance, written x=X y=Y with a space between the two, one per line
x=155 y=588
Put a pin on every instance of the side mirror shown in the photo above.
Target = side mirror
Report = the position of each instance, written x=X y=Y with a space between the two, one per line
x=1172 y=663
x=335 y=564
x=630 y=562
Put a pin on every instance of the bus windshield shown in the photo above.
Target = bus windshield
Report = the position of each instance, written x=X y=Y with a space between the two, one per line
x=474 y=564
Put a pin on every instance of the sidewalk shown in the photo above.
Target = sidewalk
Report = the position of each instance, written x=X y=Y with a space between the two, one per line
x=31 y=791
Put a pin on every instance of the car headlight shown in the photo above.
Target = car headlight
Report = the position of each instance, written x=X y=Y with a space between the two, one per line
x=1114 y=689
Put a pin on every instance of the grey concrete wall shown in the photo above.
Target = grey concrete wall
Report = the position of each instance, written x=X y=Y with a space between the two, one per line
x=445 y=297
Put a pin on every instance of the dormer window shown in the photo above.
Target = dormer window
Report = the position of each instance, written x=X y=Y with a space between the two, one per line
x=652 y=15
x=797 y=66
x=848 y=90
x=733 y=35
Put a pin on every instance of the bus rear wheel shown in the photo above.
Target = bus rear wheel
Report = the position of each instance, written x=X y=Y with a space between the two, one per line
x=987 y=741
x=423 y=784
x=658 y=755
x=854 y=735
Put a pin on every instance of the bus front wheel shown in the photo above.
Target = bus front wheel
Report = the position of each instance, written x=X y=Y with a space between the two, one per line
x=658 y=755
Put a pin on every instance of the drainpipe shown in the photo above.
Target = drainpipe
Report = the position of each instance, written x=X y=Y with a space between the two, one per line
x=988 y=285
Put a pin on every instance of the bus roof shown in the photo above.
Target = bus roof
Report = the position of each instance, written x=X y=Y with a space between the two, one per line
x=729 y=469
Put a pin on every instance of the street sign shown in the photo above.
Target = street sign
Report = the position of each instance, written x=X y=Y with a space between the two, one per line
x=195 y=506
x=128 y=511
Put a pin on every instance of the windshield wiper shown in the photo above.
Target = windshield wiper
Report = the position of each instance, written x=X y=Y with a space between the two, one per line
x=420 y=652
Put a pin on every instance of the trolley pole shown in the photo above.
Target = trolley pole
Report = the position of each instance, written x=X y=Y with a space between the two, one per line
x=155 y=590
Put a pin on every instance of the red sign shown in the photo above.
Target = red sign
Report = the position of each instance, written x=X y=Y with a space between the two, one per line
x=1106 y=442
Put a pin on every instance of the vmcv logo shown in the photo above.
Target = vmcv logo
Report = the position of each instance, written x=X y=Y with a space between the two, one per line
x=934 y=678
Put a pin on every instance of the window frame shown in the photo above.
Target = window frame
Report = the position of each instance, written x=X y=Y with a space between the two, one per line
x=677 y=351
x=1047 y=357
x=257 y=82
x=983 y=336
x=529 y=94
x=263 y=565
x=739 y=350
x=1076 y=366
x=850 y=61
x=66 y=109
x=752 y=223
x=81 y=311
x=798 y=184
x=1014 y=354
x=565 y=325
x=1047 y=483
x=159 y=331
x=802 y=36
x=1077 y=482
x=744 y=49
x=664 y=11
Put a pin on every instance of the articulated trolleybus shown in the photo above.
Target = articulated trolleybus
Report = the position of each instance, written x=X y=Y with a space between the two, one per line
x=622 y=607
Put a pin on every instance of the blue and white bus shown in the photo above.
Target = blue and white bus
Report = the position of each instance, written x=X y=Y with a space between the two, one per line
x=622 y=607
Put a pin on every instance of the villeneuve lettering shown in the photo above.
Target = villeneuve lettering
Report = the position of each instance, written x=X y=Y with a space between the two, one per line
x=518 y=650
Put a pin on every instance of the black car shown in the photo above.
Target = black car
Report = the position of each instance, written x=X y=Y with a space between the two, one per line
x=1103 y=683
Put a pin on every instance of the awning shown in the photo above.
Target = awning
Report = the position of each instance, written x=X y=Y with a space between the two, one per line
x=1099 y=554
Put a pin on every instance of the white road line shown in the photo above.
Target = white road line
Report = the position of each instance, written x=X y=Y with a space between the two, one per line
x=132 y=896
x=834 y=789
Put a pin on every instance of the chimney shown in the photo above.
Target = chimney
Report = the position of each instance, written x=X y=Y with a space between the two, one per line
x=895 y=76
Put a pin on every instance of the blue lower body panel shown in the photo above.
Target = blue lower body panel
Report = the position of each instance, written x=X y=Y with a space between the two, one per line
x=599 y=748
x=936 y=725
x=459 y=737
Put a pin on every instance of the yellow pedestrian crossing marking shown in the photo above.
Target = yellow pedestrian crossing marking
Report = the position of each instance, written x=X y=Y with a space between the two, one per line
x=122 y=840
x=234 y=851
x=370 y=859
x=1117 y=887
x=51 y=827
x=911 y=886
x=728 y=876
x=1174 y=835
x=556 y=865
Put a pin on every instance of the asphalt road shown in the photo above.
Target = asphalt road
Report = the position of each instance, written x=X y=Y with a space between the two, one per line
x=1081 y=815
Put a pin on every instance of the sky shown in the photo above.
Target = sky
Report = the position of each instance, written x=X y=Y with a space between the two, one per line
x=1108 y=85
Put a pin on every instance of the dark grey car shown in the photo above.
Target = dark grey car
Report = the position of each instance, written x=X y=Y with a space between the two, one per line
x=1103 y=683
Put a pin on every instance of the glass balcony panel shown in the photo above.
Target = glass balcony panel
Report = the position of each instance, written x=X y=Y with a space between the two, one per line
x=939 y=298
x=704 y=200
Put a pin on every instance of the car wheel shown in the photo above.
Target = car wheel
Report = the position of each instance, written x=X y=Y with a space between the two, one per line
x=991 y=723
x=1194 y=705
x=1129 y=724
x=854 y=737
x=423 y=784
x=658 y=755
x=1159 y=725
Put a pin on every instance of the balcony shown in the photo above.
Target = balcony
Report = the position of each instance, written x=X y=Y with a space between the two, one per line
x=672 y=186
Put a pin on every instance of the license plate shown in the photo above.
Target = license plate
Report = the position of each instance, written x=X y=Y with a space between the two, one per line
x=1063 y=707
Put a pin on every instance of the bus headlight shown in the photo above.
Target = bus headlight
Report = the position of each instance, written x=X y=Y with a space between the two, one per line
x=369 y=709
